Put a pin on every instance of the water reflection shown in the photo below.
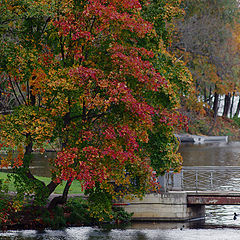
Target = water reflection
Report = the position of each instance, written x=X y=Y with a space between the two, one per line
x=87 y=233
x=40 y=163
x=222 y=215
x=211 y=154
x=163 y=225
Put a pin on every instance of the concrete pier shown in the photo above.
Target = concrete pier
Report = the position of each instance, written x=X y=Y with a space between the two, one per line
x=170 y=206
x=200 y=139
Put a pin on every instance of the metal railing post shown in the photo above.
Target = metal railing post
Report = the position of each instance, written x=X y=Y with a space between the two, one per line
x=182 y=180
x=211 y=179
x=196 y=180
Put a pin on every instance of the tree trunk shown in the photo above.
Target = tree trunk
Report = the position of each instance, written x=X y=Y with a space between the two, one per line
x=215 y=111
x=48 y=190
x=61 y=199
x=52 y=185
x=210 y=97
x=215 y=105
x=227 y=103
x=231 y=108
x=197 y=88
x=238 y=109
x=205 y=93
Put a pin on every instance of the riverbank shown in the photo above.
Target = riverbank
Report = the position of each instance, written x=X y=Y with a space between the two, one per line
x=74 y=213
x=204 y=124
x=30 y=217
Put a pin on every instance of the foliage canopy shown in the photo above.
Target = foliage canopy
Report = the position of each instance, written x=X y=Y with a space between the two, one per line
x=95 y=76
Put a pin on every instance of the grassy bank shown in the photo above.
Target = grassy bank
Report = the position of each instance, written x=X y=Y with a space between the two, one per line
x=76 y=212
x=75 y=187
x=204 y=124
x=222 y=127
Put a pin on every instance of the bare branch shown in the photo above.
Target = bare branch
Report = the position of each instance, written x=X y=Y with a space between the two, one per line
x=15 y=94
x=20 y=91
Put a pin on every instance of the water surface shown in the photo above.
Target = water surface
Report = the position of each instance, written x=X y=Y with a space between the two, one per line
x=213 y=154
x=88 y=233
x=216 y=154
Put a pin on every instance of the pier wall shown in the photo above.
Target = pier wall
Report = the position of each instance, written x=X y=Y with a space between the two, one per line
x=171 y=206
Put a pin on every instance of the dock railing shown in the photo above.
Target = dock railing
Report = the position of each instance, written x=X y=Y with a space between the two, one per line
x=202 y=178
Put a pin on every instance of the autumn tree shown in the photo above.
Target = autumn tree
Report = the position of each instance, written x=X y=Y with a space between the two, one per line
x=96 y=76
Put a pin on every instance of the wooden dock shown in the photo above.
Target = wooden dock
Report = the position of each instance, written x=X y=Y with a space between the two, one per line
x=213 y=198
x=200 y=139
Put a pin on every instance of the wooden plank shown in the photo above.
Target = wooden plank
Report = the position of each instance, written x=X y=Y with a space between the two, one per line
x=213 y=200
x=213 y=193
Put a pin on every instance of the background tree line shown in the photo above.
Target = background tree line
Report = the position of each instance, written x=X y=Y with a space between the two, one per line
x=208 y=40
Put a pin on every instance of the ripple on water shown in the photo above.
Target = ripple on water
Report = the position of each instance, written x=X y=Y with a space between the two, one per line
x=87 y=233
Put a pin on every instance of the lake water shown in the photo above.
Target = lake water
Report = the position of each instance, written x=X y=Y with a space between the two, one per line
x=215 y=154
x=88 y=233
x=219 y=222
x=211 y=154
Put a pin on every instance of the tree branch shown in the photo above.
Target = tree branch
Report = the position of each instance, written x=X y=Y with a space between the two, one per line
x=20 y=91
x=61 y=199
x=28 y=91
x=15 y=94
x=44 y=27
x=6 y=112
x=62 y=49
